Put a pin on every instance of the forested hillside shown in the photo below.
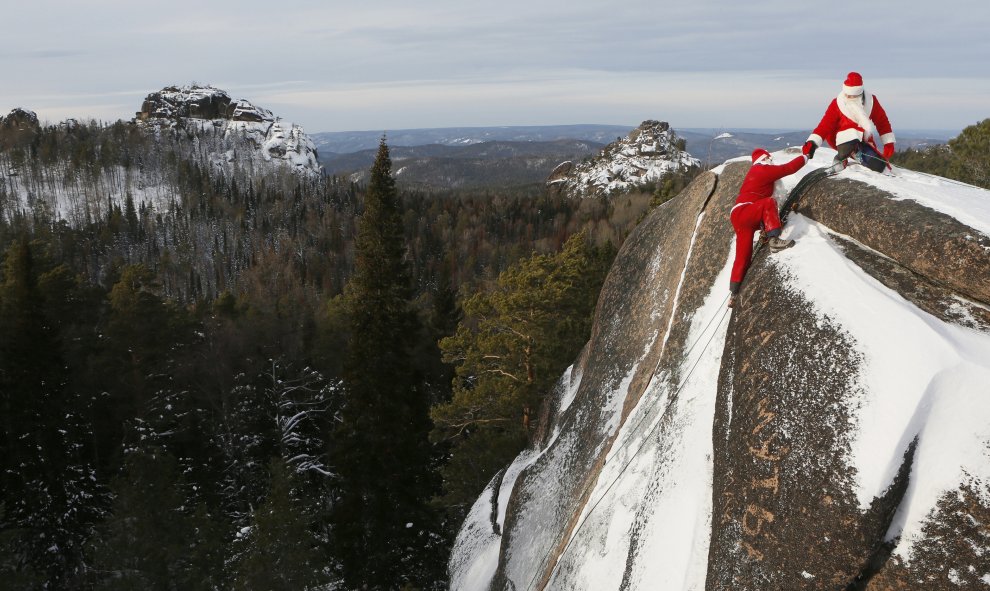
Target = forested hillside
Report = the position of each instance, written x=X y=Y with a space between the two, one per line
x=180 y=363
x=965 y=158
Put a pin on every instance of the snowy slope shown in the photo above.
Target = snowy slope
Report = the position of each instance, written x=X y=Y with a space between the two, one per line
x=646 y=520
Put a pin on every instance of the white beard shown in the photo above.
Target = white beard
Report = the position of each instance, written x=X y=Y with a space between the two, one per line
x=855 y=110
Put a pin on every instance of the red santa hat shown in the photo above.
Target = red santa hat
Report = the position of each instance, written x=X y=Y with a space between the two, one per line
x=853 y=85
x=758 y=154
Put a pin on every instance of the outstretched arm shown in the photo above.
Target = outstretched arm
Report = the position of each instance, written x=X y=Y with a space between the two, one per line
x=782 y=170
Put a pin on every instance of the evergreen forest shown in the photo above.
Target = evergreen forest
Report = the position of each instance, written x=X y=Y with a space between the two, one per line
x=238 y=377
x=246 y=378
x=965 y=158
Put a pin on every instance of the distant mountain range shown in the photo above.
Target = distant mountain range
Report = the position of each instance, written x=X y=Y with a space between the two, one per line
x=488 y=164
x=344 y=142
x=458 y=157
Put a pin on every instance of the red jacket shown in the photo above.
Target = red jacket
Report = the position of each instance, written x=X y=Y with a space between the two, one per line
x=838 y=126
x=761 y=177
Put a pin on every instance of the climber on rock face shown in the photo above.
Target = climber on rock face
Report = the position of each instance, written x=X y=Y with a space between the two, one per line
x=756 y=208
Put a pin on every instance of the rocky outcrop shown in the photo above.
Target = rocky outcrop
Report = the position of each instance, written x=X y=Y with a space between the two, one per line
x=245 y=130
x=173 y=103
x=953 y=553
x=616 y=369
x=648 y=154
x=929 y=243
x=789 y=445
x=786 y=514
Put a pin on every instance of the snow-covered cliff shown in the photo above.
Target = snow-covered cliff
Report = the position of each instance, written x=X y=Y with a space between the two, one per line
x=648 y=154
x=830 y=432
x=233 y=129
x=82 y=170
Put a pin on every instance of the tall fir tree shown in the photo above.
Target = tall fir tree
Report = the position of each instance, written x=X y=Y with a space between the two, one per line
x=154 y=540
x=383 y=526
x=48 y=483
x=279 y=551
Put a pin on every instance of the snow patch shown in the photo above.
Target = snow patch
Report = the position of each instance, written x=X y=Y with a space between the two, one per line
x=652 y=501
x=921 y=378
x=966 y=203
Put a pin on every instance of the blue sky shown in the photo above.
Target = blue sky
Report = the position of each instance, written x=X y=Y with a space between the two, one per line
x=336 y=66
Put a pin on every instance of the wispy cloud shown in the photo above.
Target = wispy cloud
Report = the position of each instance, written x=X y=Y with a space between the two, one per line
x=42 y=54
x=334 y=66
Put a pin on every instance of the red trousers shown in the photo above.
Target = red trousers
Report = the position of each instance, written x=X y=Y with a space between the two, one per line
x=747 y=218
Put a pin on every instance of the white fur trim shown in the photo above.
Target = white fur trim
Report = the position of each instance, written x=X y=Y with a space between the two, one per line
x=764 y=159
x=848 y=135
x=851 y=90
x=887 y=138
x=867 y=105
x=816 y=138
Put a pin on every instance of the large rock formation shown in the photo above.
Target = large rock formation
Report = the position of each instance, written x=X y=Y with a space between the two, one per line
x=648 y=154
x=831 y=432
x=244 y=130
x=199 y=102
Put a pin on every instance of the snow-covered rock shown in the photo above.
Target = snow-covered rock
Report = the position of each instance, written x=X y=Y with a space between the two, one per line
x=201 y=125
x=832 y=431
x=649 y=153
x=244 y=130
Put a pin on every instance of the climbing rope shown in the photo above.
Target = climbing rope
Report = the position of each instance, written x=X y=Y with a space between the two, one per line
x=789 y=204
x=721 y=316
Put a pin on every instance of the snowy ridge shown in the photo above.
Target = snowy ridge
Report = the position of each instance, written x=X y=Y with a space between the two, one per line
x=648 y=154
x=667 y=510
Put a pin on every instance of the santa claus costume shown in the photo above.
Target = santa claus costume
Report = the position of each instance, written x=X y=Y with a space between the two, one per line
x=852 y=116
x=755 y=208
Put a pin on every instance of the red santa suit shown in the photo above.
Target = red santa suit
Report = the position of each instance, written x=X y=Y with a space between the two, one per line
x=847 y=119
x=755 y=207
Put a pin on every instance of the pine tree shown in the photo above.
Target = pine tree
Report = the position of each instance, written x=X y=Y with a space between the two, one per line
x=49 y=487
x=513 y=344
x=965 y=157
x=382 y=525
x=279 y=412
x=279 y=550
x=13 y=572
x=971 y=148
x=153 y=538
